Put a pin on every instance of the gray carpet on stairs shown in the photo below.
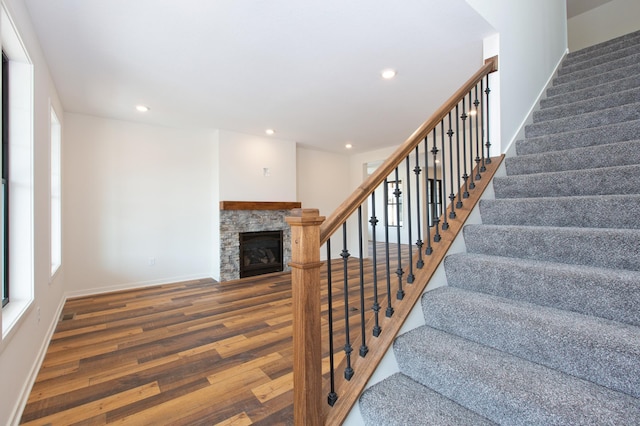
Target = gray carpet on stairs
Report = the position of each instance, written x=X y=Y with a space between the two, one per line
x=609 y=155
x=540 y=321
x=606 y=293
x=617 y=132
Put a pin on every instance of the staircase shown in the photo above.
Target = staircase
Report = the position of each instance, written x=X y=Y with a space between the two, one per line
x=540 y=321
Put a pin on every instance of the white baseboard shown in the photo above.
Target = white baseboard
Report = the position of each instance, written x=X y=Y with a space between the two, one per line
x=35 y=368
x=134 y=285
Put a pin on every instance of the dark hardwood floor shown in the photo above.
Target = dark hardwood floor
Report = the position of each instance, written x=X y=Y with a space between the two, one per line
x=191 y=353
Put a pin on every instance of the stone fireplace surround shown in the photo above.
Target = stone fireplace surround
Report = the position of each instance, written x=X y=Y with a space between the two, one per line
x=251 y=216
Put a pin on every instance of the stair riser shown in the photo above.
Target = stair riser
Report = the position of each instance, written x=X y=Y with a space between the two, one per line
x=627 y=97
x=591 y=92
x=584 y=121
x=598 y=69
x=609 y=155
x=618 y=132
x=603 y=48
x=607 y=248
x=592 y=80
x=572 y=68
x=602 y=181
x=588 y=212
x=589 y=348
x=603 y=293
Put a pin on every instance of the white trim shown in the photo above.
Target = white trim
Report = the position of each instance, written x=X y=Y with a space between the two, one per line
x=134 y=285
x=21 y=403
x=21 y=179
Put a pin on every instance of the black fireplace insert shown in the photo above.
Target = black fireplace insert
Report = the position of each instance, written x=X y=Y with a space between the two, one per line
x=260 y=253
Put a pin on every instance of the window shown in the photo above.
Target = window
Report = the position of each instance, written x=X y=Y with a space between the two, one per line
x=434 y=198
x=16 y=201
x=4 y=198
x=56 y=206
x=394 y=202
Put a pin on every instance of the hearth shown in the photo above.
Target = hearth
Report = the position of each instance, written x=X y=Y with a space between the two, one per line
x=260 y=253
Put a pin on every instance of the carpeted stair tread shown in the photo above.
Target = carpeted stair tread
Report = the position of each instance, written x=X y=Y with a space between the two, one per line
x=607 y=88
x=602 y=58
x=601 y=181
x=612 y=294
x=602 y=48
x=593 y=80
x=400 y=401
x=599 y=69
x=606 y=248
x=505 y=388
x=592 y=157
x=610 y=100
x=602 y=351
x=612 y=133
x=584 y=121
x=600 y=211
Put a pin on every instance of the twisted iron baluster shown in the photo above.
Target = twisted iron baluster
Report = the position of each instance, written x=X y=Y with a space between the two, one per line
x=348 y=371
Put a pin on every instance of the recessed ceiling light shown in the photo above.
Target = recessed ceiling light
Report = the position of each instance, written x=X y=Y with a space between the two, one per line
x=388 y=74
x=348 y=146
x=270 y=132
x=142 y=108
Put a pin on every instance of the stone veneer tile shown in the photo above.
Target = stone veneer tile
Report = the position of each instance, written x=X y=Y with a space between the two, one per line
x=233 y=222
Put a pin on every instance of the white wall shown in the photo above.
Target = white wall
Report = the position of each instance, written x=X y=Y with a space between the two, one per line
x=138 y=204
x=533 y=39
x=323 y=179
x=612 y=19
x=243 y=160
x=20 y=349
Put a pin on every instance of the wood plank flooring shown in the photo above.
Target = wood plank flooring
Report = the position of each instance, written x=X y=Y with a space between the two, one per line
x=191 y=353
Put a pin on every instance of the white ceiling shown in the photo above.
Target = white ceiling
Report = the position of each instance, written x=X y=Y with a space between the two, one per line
x=310 y=70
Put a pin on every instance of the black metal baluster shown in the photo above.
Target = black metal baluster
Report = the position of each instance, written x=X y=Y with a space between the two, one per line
x=476 y=103
x=407 y=190
x=348 y=371
x=363 y=348
x=452 y=196
x=465 y=176
x=487 y=91
x=376 y=305
x=484 y=162
x=419 y=242
x=445 y=222
x=399 y=272
x=333 y=396
x=460 y=191
x=432 y=204
x=472 y=184
x=389 y=311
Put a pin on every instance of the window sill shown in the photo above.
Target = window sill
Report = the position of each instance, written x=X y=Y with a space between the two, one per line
x=11 y=316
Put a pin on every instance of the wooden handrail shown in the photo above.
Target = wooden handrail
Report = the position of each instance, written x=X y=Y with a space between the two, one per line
x=359 y=196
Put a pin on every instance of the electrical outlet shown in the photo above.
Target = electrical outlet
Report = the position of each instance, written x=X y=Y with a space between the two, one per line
x=38 y=314
x=152 y=261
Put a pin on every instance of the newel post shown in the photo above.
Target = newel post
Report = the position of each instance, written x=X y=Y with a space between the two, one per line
x=307 y=350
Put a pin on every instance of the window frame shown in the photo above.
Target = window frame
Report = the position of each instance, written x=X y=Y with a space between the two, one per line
x=4 y=210
x=55 y=192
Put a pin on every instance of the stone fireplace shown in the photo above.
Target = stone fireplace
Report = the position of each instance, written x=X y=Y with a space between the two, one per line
x=247 y=217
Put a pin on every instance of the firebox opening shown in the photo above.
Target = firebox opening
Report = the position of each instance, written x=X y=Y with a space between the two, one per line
x=260 y=253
